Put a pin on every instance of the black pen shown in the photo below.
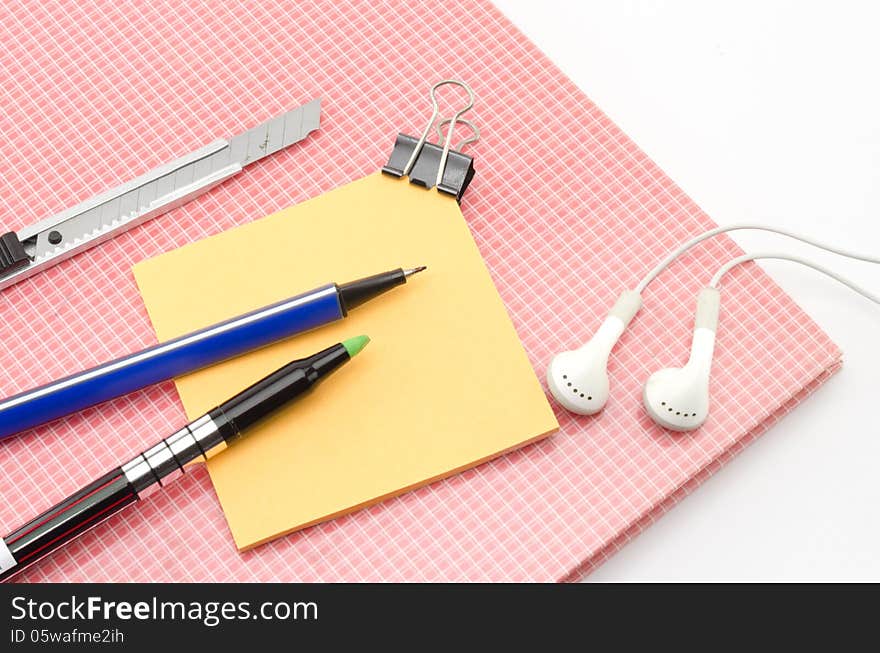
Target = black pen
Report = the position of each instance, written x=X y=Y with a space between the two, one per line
x=167 y=461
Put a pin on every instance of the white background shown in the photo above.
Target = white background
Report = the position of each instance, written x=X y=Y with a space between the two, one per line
x=762 y=111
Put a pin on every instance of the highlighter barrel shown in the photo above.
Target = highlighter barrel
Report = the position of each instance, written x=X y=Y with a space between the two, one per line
x=246 y=409
x=165 y=462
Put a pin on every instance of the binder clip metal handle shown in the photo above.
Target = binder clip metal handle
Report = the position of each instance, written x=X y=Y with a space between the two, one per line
x=428 y=164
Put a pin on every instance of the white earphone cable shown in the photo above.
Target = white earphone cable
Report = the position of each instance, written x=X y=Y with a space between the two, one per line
x=724 y=269
x=666 y=262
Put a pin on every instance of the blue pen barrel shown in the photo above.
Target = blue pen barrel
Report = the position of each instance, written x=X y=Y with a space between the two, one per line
x=167 y=360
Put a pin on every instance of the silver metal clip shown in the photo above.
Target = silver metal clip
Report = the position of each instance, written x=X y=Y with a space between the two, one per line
x=428 y=164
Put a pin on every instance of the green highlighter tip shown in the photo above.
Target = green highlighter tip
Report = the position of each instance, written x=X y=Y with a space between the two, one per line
x=354 y=345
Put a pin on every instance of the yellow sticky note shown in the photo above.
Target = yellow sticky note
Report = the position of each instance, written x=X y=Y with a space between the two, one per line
x=444 y=385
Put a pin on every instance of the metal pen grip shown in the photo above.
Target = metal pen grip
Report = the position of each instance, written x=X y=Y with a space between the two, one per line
x=165 y=462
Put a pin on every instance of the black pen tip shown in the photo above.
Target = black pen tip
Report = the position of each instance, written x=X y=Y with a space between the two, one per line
x=412 y=271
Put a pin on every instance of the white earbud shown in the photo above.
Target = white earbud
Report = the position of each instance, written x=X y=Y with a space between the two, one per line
x=677 y=398
x=578 y=379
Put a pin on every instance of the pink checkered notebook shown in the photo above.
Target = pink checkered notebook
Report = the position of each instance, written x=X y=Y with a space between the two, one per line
x=566 y=210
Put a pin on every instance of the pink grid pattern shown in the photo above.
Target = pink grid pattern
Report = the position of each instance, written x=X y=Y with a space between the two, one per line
x=561 y=208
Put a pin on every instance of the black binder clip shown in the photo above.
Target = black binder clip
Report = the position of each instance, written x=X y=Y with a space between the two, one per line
x=429 y=164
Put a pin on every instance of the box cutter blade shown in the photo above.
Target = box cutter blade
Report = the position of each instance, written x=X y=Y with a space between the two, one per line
x=100 y=218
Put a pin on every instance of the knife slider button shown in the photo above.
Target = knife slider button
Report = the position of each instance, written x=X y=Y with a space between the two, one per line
x=12 y=254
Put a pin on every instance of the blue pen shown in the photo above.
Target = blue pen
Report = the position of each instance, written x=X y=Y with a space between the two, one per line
x=193 y=351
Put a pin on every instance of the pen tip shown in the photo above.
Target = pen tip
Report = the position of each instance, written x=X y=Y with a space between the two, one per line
x=412 y=271
x=354 y=345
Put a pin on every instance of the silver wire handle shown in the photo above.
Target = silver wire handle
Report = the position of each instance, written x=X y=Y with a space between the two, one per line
x=473 y=138
x=434 y=113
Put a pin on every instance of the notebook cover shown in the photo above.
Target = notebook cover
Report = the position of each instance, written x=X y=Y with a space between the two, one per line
x=565 y=209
